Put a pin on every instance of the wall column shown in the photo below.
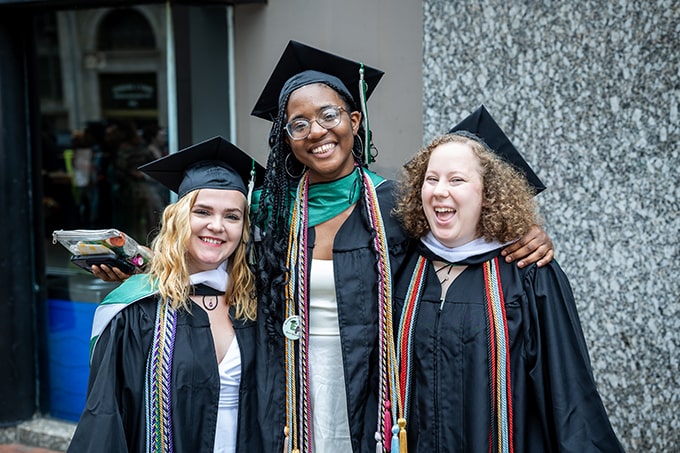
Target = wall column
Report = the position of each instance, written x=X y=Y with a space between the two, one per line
x=19 y=285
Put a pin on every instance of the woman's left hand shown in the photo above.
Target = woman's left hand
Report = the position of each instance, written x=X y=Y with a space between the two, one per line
x=109 y=274
x=534 y=247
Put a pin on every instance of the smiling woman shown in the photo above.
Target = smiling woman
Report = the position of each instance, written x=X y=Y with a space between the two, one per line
x=452 y=193
x=322 y=270
x=446 y=183
x=326 y=150
x=492 y=356
x=184 y=331
x=216 y=222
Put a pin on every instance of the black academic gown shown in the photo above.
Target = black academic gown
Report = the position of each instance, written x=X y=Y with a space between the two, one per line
x=556 y=405
x=354 y=264
x=114 y=420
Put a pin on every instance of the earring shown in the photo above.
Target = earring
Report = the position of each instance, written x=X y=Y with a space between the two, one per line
x=286 y=165
x=361 y=148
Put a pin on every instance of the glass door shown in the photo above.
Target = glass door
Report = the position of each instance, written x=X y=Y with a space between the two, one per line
x=103 y=111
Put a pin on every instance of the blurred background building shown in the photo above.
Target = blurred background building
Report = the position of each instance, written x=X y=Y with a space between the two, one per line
x=589 y=92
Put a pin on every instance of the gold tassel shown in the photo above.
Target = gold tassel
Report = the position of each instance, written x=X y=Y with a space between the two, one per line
x=286 y=433
x=403 y=447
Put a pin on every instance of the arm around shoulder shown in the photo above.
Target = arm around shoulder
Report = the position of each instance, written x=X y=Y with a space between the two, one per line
x=534 y=247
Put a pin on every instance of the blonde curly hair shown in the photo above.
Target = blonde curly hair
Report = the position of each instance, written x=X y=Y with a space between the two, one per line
x=169 y=267
x=508 y=206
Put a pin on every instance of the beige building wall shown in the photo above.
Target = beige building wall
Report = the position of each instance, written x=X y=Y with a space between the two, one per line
x=386 y=34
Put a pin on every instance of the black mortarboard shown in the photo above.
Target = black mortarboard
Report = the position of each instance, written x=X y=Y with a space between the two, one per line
x=300 y=58
x=212 y=164
x=482 y=125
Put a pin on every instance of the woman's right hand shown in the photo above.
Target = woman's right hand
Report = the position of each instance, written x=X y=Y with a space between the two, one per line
x=109 y=274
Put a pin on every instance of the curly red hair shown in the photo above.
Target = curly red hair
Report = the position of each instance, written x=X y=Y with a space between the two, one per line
x=508 y=208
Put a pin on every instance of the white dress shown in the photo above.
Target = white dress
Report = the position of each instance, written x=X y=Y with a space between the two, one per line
x=327 y=380
x=227 y=411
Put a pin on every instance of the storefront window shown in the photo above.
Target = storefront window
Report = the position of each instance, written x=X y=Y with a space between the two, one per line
x=103 y=113
x=103 y=110
x=125 y=29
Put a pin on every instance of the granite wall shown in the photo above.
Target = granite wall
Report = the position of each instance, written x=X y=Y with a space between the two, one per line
x=589 y=92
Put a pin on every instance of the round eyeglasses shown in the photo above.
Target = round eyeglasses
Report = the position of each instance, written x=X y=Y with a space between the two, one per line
x=328 y=118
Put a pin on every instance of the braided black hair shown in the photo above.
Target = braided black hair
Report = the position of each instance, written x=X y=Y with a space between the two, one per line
x=270 y=226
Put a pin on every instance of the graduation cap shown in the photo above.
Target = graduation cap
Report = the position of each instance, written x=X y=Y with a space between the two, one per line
x=481 y=124
x=212 y=164
x=301 y=65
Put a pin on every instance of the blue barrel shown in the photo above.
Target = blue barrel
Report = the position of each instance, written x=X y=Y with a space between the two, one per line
x=71 y=304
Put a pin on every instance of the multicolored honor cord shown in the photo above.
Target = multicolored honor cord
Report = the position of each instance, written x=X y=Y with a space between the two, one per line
x=389 y=403
x=500 y=425
x=298 y=430
x=296 y=328
x=500 y=436
x=157 y=385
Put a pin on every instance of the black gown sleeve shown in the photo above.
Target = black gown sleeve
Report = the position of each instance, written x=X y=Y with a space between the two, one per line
x=113 y=417
x=559 y=367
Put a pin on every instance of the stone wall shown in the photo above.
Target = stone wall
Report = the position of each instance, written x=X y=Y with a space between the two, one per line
x=589 y=92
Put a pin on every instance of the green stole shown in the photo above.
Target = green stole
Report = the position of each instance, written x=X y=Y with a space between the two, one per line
x=135 y=288
x=328 y=199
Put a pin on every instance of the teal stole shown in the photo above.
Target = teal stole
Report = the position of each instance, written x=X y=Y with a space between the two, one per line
x=328 y=199
x=158 y=375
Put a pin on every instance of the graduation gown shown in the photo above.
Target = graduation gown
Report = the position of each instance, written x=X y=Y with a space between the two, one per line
x=356 y=283
x=114 y=418
x=556 y=405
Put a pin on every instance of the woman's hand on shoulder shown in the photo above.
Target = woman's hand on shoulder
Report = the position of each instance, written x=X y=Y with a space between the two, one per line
x=534 y=247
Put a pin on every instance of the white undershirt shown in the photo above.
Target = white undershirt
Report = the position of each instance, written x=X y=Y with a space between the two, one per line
x=327 y=380
x=227 y=409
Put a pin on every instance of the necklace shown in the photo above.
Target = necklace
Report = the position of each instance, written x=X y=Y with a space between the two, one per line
x=209 y=302
x=210 y=296
x=448 y=272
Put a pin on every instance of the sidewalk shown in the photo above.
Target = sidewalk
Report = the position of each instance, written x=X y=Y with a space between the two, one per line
x=40 y=435
x=16 y=448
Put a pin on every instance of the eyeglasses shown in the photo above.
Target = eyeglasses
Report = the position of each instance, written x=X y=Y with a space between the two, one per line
x=328 y=118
